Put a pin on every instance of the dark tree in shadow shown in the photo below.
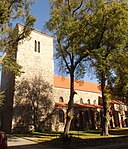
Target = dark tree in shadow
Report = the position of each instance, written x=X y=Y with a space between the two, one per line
x=32 y=103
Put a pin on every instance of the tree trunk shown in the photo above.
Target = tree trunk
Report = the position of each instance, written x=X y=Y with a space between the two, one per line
x=7 y=85
x=69 y=113
x=35 y=122
x=105 y=109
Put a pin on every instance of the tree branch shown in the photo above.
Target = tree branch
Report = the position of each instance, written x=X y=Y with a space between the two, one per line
x=62 y=54
x=81 y=3
x=14 y=1
x=80 y=59
x=69 y=8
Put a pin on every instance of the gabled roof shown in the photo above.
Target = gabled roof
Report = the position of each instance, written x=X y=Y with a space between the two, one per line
x=63 y=82
x=35 y=30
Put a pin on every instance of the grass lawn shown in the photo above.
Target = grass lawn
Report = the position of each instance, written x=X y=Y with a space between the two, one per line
x=88 y=134
x=79 y=139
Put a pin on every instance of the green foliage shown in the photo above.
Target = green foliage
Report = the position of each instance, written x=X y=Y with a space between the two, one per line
x=110 y=24
x=10 y=12
x=88 y=29
x=119 y=83
x=32 y=102
x=67 y=27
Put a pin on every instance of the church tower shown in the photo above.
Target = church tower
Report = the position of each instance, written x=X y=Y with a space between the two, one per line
x=35 y=56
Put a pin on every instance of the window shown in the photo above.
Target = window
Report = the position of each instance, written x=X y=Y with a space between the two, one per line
x=61 y=99
x=35 y=46
x=81 y=100
x=89 y=101
x=61 y=116
x=94 y=102
x=38 y=47
x=100 y=101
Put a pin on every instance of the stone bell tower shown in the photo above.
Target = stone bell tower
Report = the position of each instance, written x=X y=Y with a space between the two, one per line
x=35 y=56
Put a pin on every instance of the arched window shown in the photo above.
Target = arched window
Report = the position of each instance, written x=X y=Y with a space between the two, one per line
x=81 y=100
x=61 y=99
x=100 y=101
x=35 y=46
x=89 y=101
x=61 y=116
x=38 y=46
x=94 y=102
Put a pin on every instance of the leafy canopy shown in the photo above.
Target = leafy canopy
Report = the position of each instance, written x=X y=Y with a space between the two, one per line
x=109 y=23
x=12 y=11
x=67 y=25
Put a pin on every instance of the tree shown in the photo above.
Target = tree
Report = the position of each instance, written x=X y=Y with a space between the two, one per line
x=119 y=81
x=88 y=29
x=11 y=11
x=68 y=23
x=110 y=28
x=32 y=103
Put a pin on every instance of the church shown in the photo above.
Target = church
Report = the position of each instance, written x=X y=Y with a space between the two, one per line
x=35 y=56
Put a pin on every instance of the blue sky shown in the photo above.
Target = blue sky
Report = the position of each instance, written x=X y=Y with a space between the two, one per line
x=41 y=9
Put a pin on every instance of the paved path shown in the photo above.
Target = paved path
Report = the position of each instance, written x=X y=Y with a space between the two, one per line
x=23 y=143
x=16 y=141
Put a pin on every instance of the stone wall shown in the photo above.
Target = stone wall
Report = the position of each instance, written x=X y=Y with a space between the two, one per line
x=62 y=92
x=35 y=63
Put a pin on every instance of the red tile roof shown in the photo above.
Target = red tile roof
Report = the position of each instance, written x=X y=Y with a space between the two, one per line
x=62 y=82
x=87 y=106
x=116 y=102
x=62 y=104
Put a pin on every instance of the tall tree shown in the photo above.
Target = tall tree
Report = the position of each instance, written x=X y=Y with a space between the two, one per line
x=110 y=28
x=11 y=11
x=68 y=24
x=82 y=29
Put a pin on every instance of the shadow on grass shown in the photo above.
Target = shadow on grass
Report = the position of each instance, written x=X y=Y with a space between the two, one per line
x=116 y=131
x=121 y=137
x=123 y=131
x=77 y=143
